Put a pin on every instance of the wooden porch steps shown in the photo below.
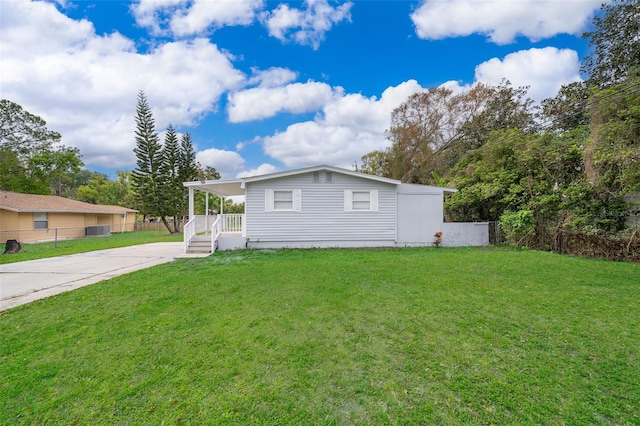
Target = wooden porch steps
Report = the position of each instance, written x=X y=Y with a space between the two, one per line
x=200 y=244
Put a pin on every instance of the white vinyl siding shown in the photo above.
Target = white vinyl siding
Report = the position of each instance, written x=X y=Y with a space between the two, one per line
x=361 y=200
x=321 y=219
x=282 y=200
x=40 y=221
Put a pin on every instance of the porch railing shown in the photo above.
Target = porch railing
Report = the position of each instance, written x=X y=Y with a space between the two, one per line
x=189 y=232
x=232 y=222
x=215 y=225
x=216 y=230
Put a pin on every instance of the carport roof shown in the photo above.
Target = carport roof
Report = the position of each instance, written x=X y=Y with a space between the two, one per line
x=226 y=188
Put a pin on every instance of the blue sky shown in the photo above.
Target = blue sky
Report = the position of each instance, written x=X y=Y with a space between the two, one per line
x=262 y=85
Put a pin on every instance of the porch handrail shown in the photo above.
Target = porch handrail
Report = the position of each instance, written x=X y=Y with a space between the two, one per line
x=189 y=231
x=216 y=230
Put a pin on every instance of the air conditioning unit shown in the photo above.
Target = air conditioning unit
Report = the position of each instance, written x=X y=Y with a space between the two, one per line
x=97 y=230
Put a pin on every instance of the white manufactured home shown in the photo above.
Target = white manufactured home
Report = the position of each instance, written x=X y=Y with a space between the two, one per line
x=325 y=206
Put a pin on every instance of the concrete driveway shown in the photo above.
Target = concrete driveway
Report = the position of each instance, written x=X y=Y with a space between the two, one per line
x=24 y=282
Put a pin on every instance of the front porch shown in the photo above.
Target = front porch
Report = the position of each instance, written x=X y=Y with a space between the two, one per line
x=206 y=234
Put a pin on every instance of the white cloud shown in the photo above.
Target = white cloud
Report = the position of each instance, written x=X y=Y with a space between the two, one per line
x=227 y=163
x=456 y=87
x=272 y=77
x=262 y=169
x=204 y=14
x=263 y=102
x=353 y=125
x=349 y=127
x=85 y=85
x=308 y=26
x=502 y=20
x=544 y=70
x=184 y=17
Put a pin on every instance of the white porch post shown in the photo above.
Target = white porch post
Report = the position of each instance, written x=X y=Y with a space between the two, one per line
x=206 y=203
x=221 y=204
x=191 y=209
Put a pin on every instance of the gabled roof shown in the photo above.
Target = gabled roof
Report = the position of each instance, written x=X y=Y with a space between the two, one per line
x=17 y=202
x=233 y=187
x=321 y=168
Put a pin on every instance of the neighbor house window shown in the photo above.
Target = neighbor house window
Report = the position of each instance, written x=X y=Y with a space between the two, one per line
x=361 y=200
x=283 y=200
x=40 y=221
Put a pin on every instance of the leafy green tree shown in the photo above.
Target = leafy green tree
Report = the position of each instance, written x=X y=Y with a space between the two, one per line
x=432 y=130
x=614 y=42
x=613 y=153
x=13 y=174
x=101 y=190
x=539 y=173
x=568 y=109
x=32 y=159
x=515 y=171
x=499 y=107
x=24 y=133
x=377 y=163
x=56 y=168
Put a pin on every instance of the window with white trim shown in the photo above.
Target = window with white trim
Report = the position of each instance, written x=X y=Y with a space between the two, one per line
x=40 y=220
x=359 y=200
x=282 y=200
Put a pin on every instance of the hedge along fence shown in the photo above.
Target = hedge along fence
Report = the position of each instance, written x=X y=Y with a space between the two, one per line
x=611 y=248
x=522 y=230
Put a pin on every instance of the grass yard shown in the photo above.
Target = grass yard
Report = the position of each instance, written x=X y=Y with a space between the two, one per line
x=335 y=337
x=81 y=245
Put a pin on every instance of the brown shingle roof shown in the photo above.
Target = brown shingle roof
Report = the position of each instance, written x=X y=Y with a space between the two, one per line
x=17 y=202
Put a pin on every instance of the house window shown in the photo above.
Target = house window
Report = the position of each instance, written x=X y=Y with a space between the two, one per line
x=361 y=200
x=329 y=176
x=316 y=177
x=282 y=200
x=40 y=221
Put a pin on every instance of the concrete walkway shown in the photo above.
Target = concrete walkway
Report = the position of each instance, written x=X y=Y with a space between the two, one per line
x=24 y=282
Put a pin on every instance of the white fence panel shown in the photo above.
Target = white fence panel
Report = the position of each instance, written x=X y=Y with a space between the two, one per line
x=457 y=234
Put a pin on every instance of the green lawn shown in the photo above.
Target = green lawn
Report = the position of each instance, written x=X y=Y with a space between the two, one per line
x=81 y=245
x=338 y=337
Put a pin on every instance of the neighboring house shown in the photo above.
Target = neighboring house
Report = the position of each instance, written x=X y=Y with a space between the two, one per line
x=325 y=206
x=30 y=218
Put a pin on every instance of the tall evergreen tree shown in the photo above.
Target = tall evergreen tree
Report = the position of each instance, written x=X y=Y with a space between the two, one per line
x=187 y=171
x=147 y=179
x=170 y=172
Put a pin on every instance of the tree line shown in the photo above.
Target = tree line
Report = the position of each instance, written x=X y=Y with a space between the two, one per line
x=568 y=161
x=33 y=160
